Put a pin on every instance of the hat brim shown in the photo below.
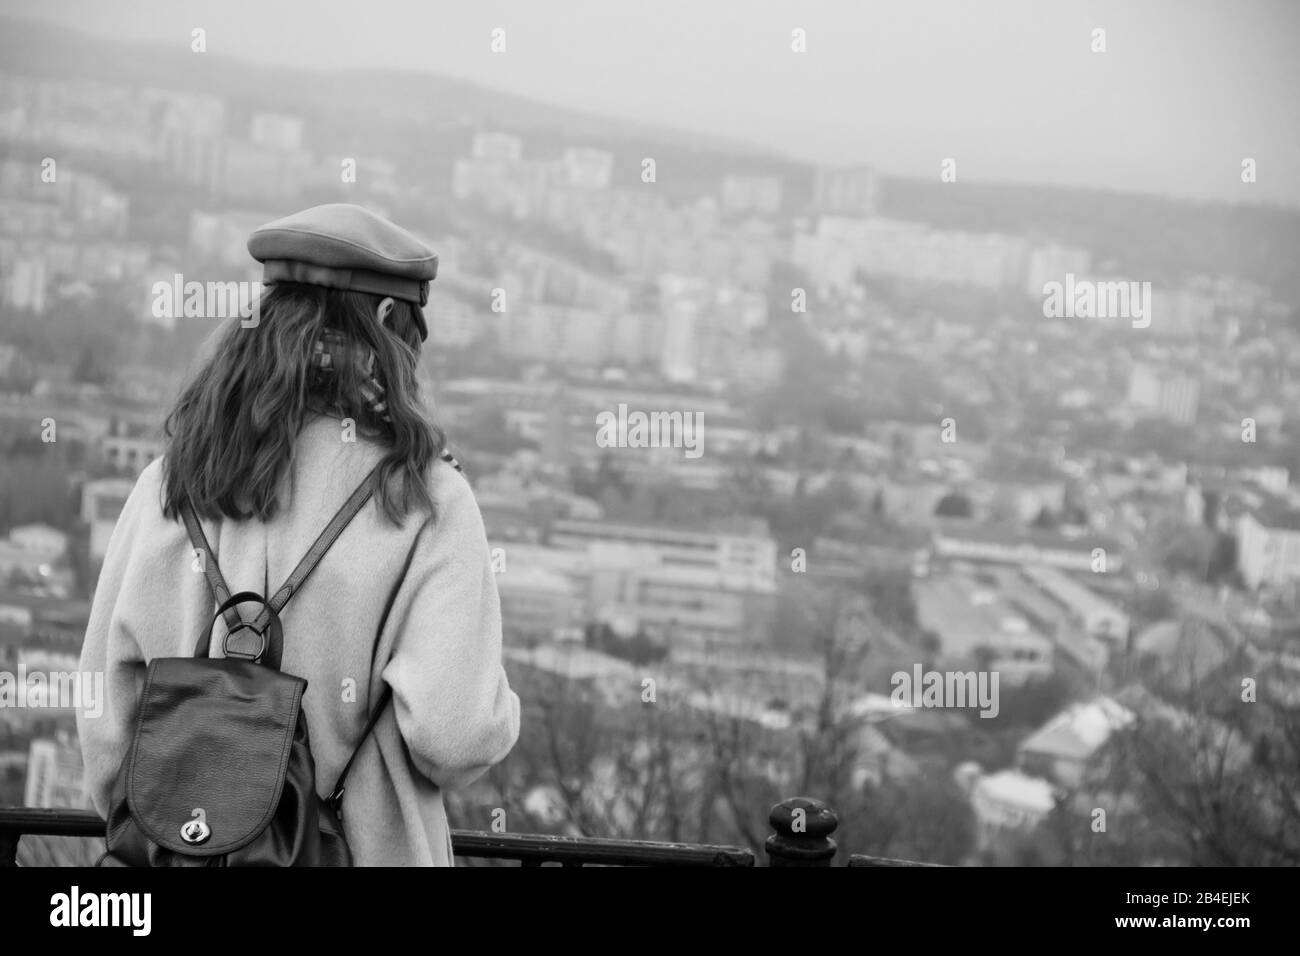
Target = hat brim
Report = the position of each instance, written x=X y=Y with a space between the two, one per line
x=415 y=291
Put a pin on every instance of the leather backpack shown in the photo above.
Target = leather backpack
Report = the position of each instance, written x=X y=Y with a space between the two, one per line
x=220 y=771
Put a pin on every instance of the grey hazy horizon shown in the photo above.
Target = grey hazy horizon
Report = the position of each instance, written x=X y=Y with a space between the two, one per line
x=1010 y=89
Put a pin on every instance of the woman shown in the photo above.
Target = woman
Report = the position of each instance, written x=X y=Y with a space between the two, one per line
x=285 y=418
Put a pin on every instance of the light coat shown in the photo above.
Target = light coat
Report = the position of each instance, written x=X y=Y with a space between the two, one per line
x=414 y=606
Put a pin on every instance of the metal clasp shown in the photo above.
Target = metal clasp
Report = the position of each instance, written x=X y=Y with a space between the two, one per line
x=196 y=831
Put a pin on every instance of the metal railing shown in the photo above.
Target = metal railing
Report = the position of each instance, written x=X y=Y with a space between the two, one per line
x=801 y=836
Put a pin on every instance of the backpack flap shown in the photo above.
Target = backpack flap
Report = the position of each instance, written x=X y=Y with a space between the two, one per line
x=212 y=743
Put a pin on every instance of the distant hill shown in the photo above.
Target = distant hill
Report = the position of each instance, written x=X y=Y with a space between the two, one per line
x=1149 y=237
x=44 y=50
x=424 y=121
x=364 y=100
x=40 y=49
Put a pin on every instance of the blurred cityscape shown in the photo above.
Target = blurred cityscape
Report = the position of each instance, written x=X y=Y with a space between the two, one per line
x=906 y=464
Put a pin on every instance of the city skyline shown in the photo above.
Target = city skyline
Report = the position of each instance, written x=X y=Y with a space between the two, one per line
x=1132 y=119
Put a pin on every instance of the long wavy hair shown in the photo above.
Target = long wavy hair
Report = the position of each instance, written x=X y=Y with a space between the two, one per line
x=230 y=436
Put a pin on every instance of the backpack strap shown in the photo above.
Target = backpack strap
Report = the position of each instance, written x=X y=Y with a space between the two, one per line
x=342 y=518
x=199 y=541
x=335 y=799
x=323 y=543
x=221 y=590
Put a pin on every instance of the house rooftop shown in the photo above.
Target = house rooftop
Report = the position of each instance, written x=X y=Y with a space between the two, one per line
x=1013 y=788
x=962 y=530
x=1068 y=592
x=1079 y=731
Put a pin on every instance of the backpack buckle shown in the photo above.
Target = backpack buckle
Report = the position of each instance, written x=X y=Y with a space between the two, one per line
x=242 y=626
x=196 y=831
x=270 y=643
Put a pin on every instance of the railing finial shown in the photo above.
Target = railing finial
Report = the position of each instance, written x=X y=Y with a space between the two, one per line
x=802 y=837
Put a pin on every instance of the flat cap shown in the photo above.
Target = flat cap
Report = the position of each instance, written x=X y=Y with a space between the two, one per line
x=343 y=246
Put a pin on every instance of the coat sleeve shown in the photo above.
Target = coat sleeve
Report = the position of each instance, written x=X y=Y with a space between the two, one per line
x=453 y=702
x=110 y=648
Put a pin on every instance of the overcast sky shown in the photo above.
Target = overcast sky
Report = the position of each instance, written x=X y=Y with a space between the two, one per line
x=1009 y=88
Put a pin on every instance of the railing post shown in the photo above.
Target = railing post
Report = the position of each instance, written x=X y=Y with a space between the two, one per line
x=802 y=836
x=9 y=847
